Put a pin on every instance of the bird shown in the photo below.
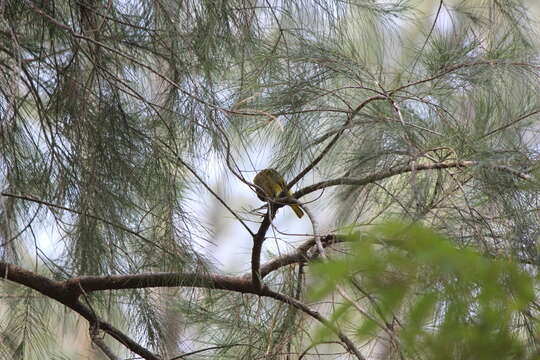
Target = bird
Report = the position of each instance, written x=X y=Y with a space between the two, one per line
x=270 y=185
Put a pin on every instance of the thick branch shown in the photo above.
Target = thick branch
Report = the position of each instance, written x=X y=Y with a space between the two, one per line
x=256 y=274
x=51 y=288
x=258 y=240
x=66 y=293
x=152 y=280
x=238 y=284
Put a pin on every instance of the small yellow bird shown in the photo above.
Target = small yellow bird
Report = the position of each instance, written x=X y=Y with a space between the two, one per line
x=270 y=185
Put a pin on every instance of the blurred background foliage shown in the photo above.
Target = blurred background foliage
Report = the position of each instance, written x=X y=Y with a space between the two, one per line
x=116 y=117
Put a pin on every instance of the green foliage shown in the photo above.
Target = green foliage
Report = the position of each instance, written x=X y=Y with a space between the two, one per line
x=444 y=302
x=115 y=115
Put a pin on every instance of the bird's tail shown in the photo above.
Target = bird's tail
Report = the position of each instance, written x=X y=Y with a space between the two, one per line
x=297 y=210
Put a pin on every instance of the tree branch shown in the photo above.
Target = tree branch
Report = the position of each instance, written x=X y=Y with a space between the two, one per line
x=402 y=170
x=334 y=140
x=314 y=314
x=258 y=240
x=66 y=293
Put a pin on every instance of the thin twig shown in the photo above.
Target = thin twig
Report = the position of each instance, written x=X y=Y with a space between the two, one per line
x=201 y=180
x=183 y=356
x=334 y=140
x=121 y=227
x=314 y=314
x=339 y=288
x=513 y=122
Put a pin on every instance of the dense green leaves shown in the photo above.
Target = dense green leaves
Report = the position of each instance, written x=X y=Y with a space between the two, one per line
x=441 y=301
